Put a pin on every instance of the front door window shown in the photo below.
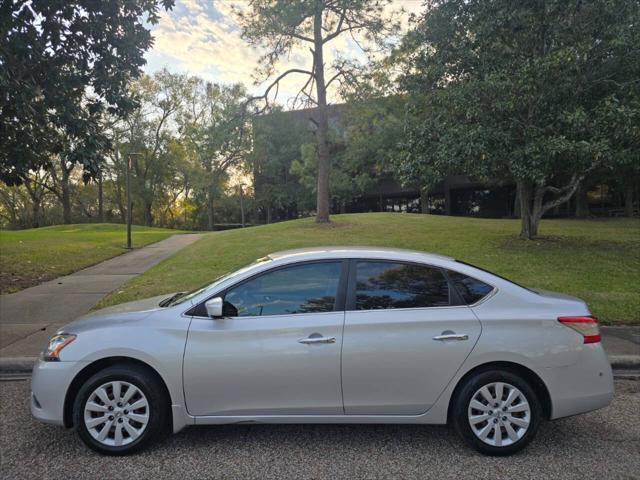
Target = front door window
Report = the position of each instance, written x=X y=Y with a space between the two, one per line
x=306 y=288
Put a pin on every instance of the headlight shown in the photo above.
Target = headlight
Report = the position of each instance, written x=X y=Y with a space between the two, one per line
x=56 y=344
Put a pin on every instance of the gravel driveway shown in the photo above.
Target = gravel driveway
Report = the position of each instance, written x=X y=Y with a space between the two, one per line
x=603 y=444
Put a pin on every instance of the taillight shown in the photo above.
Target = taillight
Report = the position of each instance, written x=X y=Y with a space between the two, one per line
x=585 y=326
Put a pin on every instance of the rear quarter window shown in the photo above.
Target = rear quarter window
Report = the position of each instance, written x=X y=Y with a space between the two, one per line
x=470 y=289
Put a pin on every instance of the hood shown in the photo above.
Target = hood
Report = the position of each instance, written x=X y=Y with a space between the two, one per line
x=124 y=312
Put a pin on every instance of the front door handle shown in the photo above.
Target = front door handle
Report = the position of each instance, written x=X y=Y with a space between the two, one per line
x=312 y=339
x=451 y=336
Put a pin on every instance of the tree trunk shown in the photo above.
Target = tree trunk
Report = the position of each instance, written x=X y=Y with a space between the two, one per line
x=100 y=200
x=210 y=211
x=65 y=195
x=582 y=206
x=528 y=222
x=447 y=198
x=66 y=205
x=185 y=204
x=35 y=211
x=148 y=216
x=242 y=220
x=11 y=208
x=533 y=207
x=424 y=201
x=628 y=201
x=322 y=201
x=269 y=214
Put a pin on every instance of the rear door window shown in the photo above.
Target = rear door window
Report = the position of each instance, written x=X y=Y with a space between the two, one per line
x=384 y=285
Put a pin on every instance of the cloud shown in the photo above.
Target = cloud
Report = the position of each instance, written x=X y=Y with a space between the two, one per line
x=203 y=38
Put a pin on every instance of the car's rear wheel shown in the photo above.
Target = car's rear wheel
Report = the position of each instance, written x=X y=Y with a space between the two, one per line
x=120 y=410
x=496 y=412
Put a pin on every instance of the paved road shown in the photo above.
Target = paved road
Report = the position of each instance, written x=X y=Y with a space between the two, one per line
x=29 y=317
x=602 y=445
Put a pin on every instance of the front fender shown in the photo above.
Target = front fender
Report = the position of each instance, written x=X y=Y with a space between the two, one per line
x=160 y=346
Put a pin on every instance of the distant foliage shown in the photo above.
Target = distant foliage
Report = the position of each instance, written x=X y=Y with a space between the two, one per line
x=279 y=26
x=536 y=92
x=64 y=64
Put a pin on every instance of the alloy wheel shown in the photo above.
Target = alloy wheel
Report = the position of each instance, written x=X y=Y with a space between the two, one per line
x=116 y=413
x=499 y=414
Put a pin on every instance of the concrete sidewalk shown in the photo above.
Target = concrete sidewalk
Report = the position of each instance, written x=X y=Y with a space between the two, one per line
x=30 y=317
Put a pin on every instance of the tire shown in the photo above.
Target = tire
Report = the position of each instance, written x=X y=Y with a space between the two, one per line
x=506 y=429
x=141 y=417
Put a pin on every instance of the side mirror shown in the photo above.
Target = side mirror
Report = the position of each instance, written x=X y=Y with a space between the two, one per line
x=214 y=307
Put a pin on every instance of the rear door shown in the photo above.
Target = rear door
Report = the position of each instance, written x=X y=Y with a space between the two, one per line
x=406 y=334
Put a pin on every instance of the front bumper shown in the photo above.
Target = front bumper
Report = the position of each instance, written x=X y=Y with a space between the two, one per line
x=49 y=384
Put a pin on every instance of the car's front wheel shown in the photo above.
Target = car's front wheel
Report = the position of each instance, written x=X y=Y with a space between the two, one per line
x=120 y=409
x=496 y=412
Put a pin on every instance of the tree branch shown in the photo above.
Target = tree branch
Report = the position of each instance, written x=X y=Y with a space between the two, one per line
x=338 y=29
x=275 y=83
x=301 y=37
x=309 y=84
x=567 y=191
x=334 y=78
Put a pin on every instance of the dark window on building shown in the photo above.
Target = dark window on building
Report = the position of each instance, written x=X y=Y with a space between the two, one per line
x=398 y=285
x=470 y=289
x=307 y=288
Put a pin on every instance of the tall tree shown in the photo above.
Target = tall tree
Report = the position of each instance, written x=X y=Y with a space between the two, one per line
x=148 y=132
x=64 y=64
x=372 y=128
x=519 y=90
x=281 y=25
x=278 y=141
x=61 y=185
x=35 y=185
x=621 y=123
x=213 y=128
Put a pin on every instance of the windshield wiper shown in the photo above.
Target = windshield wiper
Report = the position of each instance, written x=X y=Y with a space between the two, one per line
x=167 y=301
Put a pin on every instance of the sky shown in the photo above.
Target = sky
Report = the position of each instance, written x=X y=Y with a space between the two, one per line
x=202 y=37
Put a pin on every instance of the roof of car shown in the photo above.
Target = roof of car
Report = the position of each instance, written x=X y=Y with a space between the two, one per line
x=360 y=252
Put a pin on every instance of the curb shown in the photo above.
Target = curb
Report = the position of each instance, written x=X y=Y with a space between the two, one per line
x=25 y=364
x=622 y=362
x=17 y=364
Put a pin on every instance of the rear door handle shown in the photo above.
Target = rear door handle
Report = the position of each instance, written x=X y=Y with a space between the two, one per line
x=451 y=336
x=310 y=340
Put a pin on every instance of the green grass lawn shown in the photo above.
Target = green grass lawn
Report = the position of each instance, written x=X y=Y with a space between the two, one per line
x=597 y=260
x=29 y=257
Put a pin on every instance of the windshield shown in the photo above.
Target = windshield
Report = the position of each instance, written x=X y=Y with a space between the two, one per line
x=185 y=296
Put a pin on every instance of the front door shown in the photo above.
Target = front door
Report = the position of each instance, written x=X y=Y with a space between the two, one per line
x=279 y=354
x=404 y=338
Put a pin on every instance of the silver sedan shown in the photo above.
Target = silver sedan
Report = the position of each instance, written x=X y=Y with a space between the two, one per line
x=329 y=335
